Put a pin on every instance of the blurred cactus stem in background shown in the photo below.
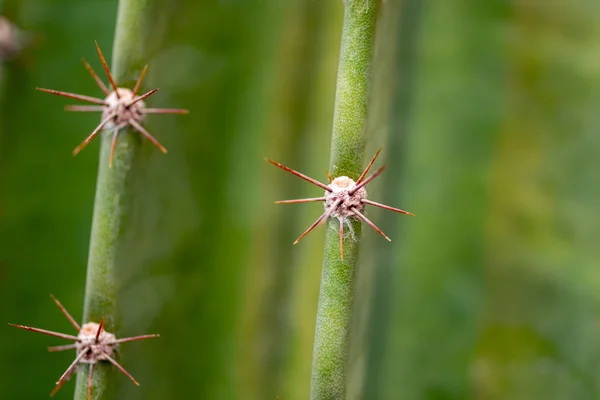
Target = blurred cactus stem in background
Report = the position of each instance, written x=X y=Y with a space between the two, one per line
x=336 y=299
x=115 y=192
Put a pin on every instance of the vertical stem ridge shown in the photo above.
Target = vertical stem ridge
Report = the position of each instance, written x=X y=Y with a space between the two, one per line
x=336 y=299
x=111 y=210
x=114 y=194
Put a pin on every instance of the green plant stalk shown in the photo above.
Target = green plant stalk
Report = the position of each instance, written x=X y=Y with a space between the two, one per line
x=114 y=196
x=111 y=206
x=336 y=299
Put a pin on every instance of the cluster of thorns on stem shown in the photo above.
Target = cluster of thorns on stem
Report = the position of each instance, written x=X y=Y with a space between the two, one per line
x=92 y=343
x=344 y=198
x=121 y=107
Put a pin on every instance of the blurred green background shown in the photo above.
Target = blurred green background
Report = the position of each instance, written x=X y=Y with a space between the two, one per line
x=488 y=114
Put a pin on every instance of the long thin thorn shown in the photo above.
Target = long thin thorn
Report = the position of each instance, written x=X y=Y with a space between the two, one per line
x=113 y=146
x=74 y=96
x=164 y=111
x=341 y=240
x=372 y=225
x=66 y=313
x=62 y=348
x=300 y=200
x=90 y=381
x=144 y=132
x=387 y=207
x=329 y=176
x=298 y=174
x=139 y=81
x=369 y=179
x=85 y=108
x=49 y=333
x=93 y=134
x=123 y=370
x=310 y=228
x=107 y=70
x=323 y=216
x=100 y=328
x=96 y=77
x=67 y=374
x=142 y=97
x=362 y=176
x=134 y=338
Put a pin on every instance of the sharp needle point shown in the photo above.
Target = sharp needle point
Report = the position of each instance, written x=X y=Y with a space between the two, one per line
x=144 y=132
x=107 y=70
x=300 y=175
x=74 y=96
x=362 y=176
x=142 y=97
x=369 y=179
x=100 y=328
x=138 y=84
x=371 y=224
x=46 y=332
x=373 y=203
x=96 y=77
x=66 y=313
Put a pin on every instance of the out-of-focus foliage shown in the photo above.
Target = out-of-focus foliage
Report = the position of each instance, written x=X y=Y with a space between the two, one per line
x=488 y=116
x=494 y=290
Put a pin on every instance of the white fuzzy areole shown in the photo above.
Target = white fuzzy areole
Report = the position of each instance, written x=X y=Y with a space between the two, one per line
x=340 y=190
x=98 y=350
x=122 y=109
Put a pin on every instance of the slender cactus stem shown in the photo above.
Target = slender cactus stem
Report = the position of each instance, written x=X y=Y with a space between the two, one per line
x=114 y=194
x=336 y=299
